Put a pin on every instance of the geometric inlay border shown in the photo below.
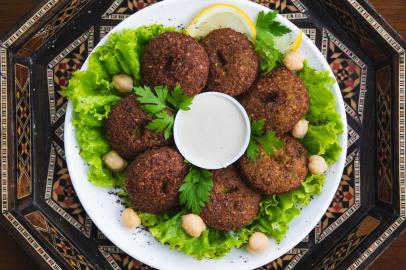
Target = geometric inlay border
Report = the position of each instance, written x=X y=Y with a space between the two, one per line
x=106 y=252
x=358 y=116
x=4 y=129
x=84 y=228
x=322 y=234
x=89 y=36
x=371 y=249
x=104 y=30
x=23 y=130
x=402 y=185
x=33 y=243
x=110 y=15
x=287 y=261
x=280 y=6
x=401 y=134
x=55 y=114
x=30 y=22
x=311 y=33
x=353 y=136
x=348 y=244
x=115 y=12
x=52 y=234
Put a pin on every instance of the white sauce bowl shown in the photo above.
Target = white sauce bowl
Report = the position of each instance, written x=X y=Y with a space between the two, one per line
x=214 y=133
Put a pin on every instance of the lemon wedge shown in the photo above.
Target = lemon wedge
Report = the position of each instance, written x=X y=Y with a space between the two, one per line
x=221 y=16
x=297 y=42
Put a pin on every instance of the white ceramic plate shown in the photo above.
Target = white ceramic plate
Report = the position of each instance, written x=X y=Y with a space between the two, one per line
x=105 y=212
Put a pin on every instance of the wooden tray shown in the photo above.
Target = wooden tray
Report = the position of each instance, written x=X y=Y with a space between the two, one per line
x=39 y=207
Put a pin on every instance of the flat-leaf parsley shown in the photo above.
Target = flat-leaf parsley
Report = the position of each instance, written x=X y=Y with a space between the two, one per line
x=267 y=30
x=267 y=139
x=162 y=104
x=155 y=100
x=195 y=190
x=266 y=21
x=162 y=123
x=179 y=99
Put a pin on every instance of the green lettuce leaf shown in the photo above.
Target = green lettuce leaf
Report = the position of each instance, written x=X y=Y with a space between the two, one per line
x=277 y=211
x=90 y=110
x=324 y=121
x=92 y=99
x=211 y=244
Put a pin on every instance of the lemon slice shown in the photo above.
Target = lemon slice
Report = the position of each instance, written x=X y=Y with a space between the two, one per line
x=221 y=16
x=297 y=42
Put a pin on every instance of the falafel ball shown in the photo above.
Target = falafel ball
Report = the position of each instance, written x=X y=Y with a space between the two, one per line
x=174 y=58
x=231 y=205
x=282 y=172
x=280 y=98
x=154 y=178
x=126 y=131
x=233 y=61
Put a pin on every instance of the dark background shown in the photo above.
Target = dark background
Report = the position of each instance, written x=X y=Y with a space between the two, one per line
x=13 y=258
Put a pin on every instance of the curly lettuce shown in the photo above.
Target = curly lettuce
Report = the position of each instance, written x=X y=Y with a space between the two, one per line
x=211 y=244
x=324 y=121
x=92 y=95
x=277 y=211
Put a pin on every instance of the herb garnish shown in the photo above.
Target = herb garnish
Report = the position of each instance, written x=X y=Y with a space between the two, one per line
x=267 y=139
x=162 y=123
x=267 y=29
x=195 y=190
x=162 y=104
x=266 y=21
x=179 y=100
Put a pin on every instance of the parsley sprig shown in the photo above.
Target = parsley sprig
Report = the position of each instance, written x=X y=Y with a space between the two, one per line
x=154 y=100
x=267 y=139
x=163 y=122
x=195 y=190
x=162 y=104
x=267 y=29
x=179 y=100
x=266 y=21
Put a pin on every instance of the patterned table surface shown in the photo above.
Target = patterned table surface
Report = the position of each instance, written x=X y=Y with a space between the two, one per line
x=350 y=70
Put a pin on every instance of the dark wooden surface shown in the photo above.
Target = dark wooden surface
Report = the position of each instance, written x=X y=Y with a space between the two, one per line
x=13 y=258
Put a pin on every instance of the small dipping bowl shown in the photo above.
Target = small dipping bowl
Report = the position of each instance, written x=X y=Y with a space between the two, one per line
x=214 y=133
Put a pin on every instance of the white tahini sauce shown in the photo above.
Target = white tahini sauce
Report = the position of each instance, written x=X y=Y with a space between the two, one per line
x=214 y=132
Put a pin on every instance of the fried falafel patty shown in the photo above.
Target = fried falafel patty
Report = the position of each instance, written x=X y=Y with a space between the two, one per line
x=154 y=178
x=174 y=58
x=233 y=61
x=126 y=131
x=280 y=98
x=282 y=172
x=231 y=205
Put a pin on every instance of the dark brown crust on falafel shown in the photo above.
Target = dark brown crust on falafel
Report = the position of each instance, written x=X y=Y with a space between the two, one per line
x=282 y=172
x=231 y=205
x=175 y=58
x=154 y=178
x=280 y=98
x=126 y=132
x=233 y=61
